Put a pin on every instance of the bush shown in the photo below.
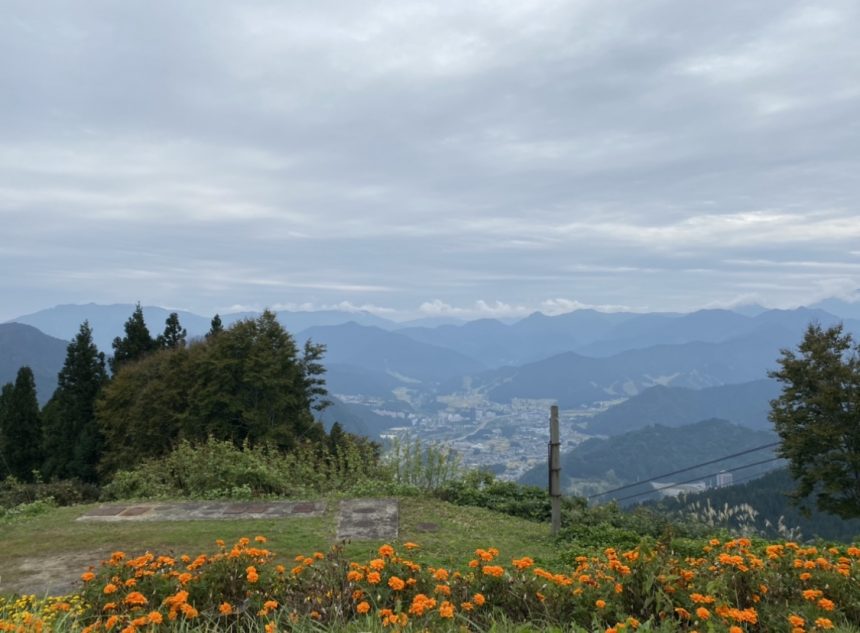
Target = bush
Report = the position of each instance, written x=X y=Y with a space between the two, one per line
x=65 y=492
x=218 y=469
x=482 y=489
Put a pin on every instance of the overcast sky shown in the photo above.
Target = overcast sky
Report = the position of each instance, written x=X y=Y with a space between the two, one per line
x=470 y=158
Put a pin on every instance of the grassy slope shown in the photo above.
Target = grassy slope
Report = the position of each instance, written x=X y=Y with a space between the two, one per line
x=460 y=531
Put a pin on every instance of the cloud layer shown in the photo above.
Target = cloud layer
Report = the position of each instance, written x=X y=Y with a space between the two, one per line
x=408 y=157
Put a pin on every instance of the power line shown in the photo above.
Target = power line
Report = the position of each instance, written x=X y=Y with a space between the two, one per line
x=684 y=470
x=729 y=470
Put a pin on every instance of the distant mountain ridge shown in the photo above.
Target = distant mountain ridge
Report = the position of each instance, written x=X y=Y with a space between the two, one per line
x=746 y=404
x=652 y=451
x=23 y=345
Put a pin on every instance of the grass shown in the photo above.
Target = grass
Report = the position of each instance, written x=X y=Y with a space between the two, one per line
x=454 y=530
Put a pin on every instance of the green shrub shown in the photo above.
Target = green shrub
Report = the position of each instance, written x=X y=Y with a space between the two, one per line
x=62 y=493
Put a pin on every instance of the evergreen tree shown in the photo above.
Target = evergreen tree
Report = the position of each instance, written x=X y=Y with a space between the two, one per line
x=5 y=397
x=216 y=327
x=817 y=418
x=21 y=427
x=73 y=442
x=174 y=334
x=312 y=374
x=136 y=343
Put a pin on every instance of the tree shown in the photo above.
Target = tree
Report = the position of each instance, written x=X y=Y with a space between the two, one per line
x=818 y=419
x=73 y=442
x=21 y=427
x=136 y=343
x=215 y=328
x=174 y=334
x=248 y=383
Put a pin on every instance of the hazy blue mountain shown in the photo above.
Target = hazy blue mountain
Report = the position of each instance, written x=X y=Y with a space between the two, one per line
x=746 y=404
x=358 y=419
x=841 y=307
x=22 y=345
x=537 y=336
x=390 y=353
x=574 y=380
x=355 y=380
x=749 y=309
x=63 y=321
x=656 y=450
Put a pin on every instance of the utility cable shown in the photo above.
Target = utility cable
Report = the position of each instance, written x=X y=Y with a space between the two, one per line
x=683 y=470
x=688 y=481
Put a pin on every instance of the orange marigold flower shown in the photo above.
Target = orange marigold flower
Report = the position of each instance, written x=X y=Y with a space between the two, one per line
x=484 y=555
x=377 y=563
x=88 y=576
x=702 y=613
x=386 y=551
x=110 y=588
x=410 y=545
x=600 y=604
x=443 y=589
x=523 y=563
x=184 y=578
x=440 y=574
x=735 y=629
x=701 y=599
x=446 y=610
x=827 y=605
x=111 y=622
x=494 y=570
x=188 y=611
x=823 y=623
x=362 y=607
x=135 y=599
x=297 y=570
x=805 y=575
x=396 y=583
x=270 y=604
x=260 y=539
x=252 y=575
x=374 y=577
x=271 y=627
x=796 y=620
x=225 y=608
x=154 y=618
x=479 y=599
x=354 y=576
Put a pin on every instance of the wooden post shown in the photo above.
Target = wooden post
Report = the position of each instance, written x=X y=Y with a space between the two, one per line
x=554 y=470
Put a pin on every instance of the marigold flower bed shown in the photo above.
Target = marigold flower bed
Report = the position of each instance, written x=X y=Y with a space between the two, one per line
x=733 y=586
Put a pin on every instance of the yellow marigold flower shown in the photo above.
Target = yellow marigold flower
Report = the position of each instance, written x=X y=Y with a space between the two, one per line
x=446 y=610
x=479 y=599
x=494 y=570
x=386 y=551
x=600 y=604
x=225 y=608
x=702 y=613
x=362 y=607
x=396 y=583
x=823 y=623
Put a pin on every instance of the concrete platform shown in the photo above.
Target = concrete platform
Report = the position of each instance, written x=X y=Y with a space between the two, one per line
x=204 y=511
x=368 y=520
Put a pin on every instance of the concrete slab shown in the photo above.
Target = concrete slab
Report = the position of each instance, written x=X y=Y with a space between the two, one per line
x=204 y=510
x=368 y=520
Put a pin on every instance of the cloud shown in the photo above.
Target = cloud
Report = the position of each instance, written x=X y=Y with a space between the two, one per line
x=258 y=153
